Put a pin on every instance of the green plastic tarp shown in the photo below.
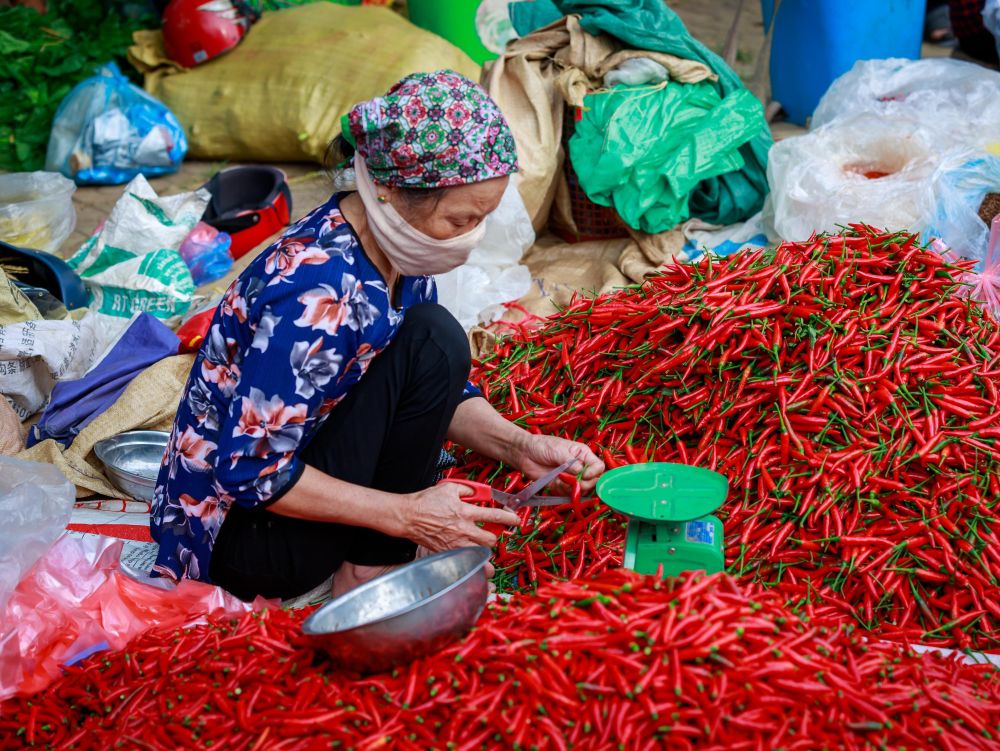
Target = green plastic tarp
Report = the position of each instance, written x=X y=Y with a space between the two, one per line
x=720 y=196
x=645 y=150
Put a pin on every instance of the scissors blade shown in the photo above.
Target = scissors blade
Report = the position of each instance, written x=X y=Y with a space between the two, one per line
x=521 y=498
x=505 y=499
x=546 y=500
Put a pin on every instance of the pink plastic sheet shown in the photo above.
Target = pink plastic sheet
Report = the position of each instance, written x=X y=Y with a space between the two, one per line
x=76 y=600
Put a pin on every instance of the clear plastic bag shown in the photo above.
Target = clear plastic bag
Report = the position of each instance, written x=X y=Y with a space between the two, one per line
x=991 y=19
x=956 y=100
x=36 y=210
x=106 y=131
x=859 y=169
x=206 y=252
x=475 y=292
x=958 y=188
x=35 y=505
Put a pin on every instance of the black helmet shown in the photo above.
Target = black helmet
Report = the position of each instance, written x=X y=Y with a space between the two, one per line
x=33 y=268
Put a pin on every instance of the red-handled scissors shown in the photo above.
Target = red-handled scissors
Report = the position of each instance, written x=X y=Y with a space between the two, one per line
x=527 y=497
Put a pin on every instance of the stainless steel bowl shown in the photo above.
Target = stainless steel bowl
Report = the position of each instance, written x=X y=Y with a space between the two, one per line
x=409 y=612
x=132 y=461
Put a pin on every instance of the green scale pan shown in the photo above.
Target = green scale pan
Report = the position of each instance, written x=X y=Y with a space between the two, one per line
x=669 y=510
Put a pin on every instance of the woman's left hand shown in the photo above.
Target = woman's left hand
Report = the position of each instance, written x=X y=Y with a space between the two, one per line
x=538 y=454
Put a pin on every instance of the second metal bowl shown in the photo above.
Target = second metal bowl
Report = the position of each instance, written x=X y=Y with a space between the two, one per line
x=132 y=461
x=409 y=612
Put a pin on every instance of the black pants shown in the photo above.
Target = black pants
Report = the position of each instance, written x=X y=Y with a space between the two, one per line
x=386 y=434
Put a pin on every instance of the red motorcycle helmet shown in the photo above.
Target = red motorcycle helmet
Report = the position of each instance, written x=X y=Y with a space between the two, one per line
x=195 y=31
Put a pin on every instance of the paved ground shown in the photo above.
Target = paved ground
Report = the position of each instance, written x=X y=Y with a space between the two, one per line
x=708 y=21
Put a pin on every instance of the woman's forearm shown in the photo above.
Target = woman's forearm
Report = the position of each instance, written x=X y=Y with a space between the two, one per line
x=477 y=426
x=318 y=497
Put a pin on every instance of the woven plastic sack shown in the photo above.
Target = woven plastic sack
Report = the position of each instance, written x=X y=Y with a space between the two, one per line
x=35 y=354
x=280 y=94
x=958 y=101
x=862 y=169
x=36 y=210
x=133 y=263
x=106 y=131
x=645 y=150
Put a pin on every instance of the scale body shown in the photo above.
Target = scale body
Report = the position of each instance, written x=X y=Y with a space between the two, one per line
x=669 y=510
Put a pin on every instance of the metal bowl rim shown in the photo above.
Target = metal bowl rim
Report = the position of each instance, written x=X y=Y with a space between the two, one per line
x=104 y=445
x=357 y=591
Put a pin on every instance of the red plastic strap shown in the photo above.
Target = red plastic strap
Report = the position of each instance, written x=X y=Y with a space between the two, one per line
x=270 y=220
x=138 y=532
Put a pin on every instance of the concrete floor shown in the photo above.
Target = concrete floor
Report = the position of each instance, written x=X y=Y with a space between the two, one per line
x=709 y=21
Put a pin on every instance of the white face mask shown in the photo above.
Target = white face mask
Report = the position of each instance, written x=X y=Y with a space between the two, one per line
x=410 y=251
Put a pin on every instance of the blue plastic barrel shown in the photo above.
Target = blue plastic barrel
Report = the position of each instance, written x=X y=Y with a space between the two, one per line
x=767 y=10
x=816 y=41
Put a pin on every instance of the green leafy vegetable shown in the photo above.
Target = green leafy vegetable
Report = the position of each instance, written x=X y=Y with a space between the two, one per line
x=42 y=57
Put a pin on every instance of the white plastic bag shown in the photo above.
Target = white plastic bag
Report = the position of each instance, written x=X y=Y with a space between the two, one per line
x=133 y=264
x=859 y=169
x=35 y=505
x=958 y=188
x=475 y=292
x=636 y=71
x=36 y=210
x=724 y=241
x=956 y=100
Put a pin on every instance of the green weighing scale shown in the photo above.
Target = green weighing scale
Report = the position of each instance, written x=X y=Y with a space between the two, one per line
x=669 y=510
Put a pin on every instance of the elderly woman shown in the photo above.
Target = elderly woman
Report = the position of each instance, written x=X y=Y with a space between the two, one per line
x=307 y=439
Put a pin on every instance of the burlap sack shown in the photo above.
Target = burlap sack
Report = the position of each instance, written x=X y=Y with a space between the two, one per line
x=149 y=403
x=522 y=82
x=533 y=82
x=12 y=433
x=279 y=95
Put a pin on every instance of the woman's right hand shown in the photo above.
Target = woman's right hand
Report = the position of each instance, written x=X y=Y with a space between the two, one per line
x=438 y=519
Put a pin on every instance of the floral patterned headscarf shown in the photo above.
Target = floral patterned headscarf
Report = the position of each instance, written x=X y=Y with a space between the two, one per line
x=432 y=130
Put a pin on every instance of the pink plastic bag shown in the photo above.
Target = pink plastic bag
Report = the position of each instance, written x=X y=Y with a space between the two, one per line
x=987 y=283
x=75 y=601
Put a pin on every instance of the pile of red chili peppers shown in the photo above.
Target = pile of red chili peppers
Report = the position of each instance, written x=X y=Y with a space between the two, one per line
x=622 y=661
x=846 y=386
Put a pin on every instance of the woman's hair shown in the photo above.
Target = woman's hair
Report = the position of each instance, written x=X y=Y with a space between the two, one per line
x=340 y=152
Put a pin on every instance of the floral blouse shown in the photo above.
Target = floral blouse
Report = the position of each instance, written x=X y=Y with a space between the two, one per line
x=294 y=332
